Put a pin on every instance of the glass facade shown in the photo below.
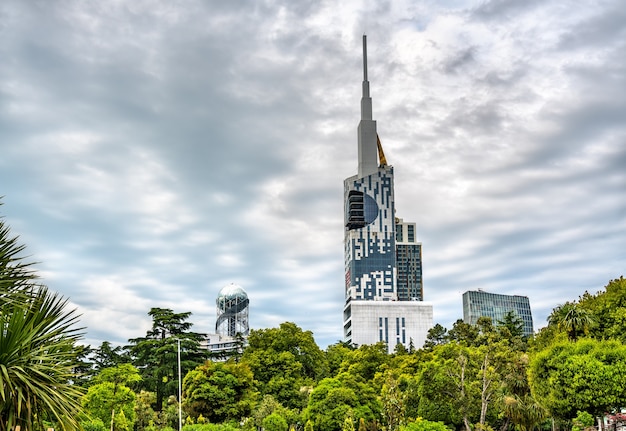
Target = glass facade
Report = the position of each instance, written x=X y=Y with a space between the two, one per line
x=477 y=304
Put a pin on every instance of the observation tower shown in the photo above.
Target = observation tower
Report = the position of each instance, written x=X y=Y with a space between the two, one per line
x=232 y=311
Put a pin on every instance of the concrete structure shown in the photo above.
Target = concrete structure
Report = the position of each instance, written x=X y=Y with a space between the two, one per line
x=477 y=303
x=375 y=309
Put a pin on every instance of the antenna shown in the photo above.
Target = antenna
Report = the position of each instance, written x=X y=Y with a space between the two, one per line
x=364 y=58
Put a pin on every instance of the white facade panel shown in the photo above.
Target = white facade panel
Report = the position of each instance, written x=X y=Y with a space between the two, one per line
x=394 y=322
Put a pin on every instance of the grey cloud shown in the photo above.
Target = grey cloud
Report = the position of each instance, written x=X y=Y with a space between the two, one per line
x=237 y=124
x=498 y=9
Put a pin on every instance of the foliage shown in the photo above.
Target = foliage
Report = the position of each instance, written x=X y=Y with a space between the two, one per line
x=285 y=360
x=156 y=354
x=219 y=391
x=518 y=405
x=333 y=398
x=335 y=355
x=94 y=425
x=584 y=376
x=436 y=335
x=107 y=356
x=268 y=406
x=582 y=420
x=38 y=350
x=511 y=326
x=448 y=389
x=366 y=361
x=463 y=333
x=572 y=319
x=608 y=310
x=145 y=415
x=211 y=427
x=393 y=401
x=110 y=399
x=274 y=422
x=424 y=425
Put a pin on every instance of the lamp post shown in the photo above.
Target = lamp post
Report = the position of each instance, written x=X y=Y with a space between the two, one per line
x=180 y=392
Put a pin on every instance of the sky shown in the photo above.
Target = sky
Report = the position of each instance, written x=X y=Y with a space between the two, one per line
x=153 y=152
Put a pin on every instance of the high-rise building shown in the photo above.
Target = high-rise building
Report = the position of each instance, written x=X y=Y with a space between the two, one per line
x=477 y=303
x=383 y=270
x=409 y=262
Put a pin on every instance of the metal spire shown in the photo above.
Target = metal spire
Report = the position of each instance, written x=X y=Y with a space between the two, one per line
x=368 y=151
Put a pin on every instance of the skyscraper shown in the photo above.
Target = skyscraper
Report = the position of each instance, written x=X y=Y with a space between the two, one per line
x=383 y=300
x=478 y=304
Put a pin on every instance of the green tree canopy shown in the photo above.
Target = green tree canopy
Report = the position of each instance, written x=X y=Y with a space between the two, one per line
x=110 y=399
x=608 y=310
x=219 y=391
x=424 y=425
x=435 y=336
x=285 y=361
x=572 y=319
x=584 y=376
x=334 y=398
x=156 y=354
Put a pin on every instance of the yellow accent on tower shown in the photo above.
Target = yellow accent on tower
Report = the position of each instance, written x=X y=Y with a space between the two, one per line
x=381 y=154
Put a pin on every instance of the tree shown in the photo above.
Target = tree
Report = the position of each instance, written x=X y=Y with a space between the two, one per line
x=584 y=376
x=571 y=319
x=511 y=325
x=219 y=391
x=335 y=355
x=285 y=361
x=449 y=387
x=608 y=310
x=424 y=425
x=334 y=398
x=463 y=333
x=275 y=422
x=156 y=353
x=38 y=347
x=435 y=336
x=366 y=361
x=393 y=401
x=107 y=356
x=518 y=405
x=110 y=399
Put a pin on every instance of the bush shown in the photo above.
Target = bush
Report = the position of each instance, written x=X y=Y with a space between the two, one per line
x=424 y=425
x=275 y=422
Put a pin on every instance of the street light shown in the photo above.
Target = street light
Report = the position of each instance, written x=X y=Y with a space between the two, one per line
x=180 y=393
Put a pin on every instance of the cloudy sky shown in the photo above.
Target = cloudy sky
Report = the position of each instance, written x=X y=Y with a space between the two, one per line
x=152 y=152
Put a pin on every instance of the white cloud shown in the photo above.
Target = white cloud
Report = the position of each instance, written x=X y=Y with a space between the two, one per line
x=160 y=152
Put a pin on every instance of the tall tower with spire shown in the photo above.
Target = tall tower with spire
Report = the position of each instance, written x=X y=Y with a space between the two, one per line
x=374 y=245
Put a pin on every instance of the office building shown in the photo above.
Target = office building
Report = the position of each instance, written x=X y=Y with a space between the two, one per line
x=409 y=262
x=383 y=270
x=477 y=303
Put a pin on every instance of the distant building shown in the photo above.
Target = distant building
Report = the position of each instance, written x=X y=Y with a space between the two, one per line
x=477 y=303
x=231 y=326
x=383 y=260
